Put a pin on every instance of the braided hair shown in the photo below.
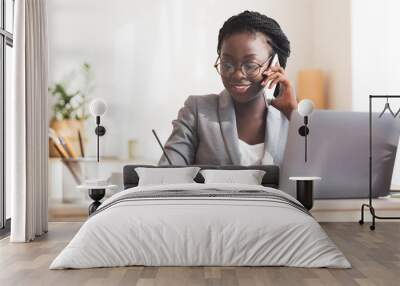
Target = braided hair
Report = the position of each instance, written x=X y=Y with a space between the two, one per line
x=249 y=21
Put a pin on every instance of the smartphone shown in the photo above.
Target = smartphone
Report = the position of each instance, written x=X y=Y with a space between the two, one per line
x=269 y=93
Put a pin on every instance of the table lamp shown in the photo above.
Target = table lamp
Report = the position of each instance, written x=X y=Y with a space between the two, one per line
x=97 y=108
x=305 y=108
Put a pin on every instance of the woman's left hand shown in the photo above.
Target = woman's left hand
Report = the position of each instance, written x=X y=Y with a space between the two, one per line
x=286 y=101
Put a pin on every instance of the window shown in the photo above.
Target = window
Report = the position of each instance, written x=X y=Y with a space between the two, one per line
x=6 y=44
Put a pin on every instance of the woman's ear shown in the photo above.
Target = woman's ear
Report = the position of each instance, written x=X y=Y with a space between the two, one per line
x=264 y=78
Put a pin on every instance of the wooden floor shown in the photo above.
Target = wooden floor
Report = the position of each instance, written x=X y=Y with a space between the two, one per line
x=374 y=255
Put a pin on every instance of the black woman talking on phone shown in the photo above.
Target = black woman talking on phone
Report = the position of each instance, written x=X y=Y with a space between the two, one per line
x=242 y=125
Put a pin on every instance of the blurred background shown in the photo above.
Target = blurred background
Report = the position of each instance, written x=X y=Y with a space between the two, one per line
x=144 y=58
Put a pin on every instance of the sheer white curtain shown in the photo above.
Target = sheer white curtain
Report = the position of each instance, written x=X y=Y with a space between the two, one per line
x=27 y=122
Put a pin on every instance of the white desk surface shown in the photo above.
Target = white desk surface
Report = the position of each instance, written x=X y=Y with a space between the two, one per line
x=304 y=178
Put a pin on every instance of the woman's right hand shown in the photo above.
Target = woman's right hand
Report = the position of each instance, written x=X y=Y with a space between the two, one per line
x=286 y=101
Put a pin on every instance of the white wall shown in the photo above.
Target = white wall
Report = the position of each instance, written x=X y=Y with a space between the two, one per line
x=149 y=56
x=375 y=51
x=376 y=57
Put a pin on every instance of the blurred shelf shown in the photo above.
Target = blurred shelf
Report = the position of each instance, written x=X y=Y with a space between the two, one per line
x=137 y=160
x=66 y=174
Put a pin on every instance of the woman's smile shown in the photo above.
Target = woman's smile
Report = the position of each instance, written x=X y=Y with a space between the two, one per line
x=239 y=88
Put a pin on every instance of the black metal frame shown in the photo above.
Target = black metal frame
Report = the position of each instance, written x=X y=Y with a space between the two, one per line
x=6 y=39
x=369 y=205
x=100 y=131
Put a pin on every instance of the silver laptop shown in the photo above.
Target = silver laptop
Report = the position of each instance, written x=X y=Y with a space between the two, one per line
x=338 y=152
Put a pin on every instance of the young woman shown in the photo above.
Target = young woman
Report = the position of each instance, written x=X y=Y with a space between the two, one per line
x=238 y=126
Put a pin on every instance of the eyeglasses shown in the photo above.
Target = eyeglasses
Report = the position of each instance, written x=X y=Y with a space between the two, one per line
x=249 y=69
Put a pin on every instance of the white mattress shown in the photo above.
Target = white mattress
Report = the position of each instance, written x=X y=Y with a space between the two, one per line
x=183 y=231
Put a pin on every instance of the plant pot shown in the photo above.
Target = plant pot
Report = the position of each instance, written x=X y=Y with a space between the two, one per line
x=68 y=129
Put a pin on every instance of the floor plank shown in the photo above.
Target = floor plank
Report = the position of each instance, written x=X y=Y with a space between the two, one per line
x=375 y=257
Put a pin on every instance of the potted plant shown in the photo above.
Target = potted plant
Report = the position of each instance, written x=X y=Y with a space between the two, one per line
x=70 y=97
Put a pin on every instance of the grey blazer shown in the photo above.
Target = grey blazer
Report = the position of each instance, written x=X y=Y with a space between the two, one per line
x=205 y=132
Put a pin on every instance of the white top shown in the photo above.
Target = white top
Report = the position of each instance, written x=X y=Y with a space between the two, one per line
x=254 y=154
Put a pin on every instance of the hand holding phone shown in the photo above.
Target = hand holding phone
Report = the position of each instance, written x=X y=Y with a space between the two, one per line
x=269 y=92
x=285 y=101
